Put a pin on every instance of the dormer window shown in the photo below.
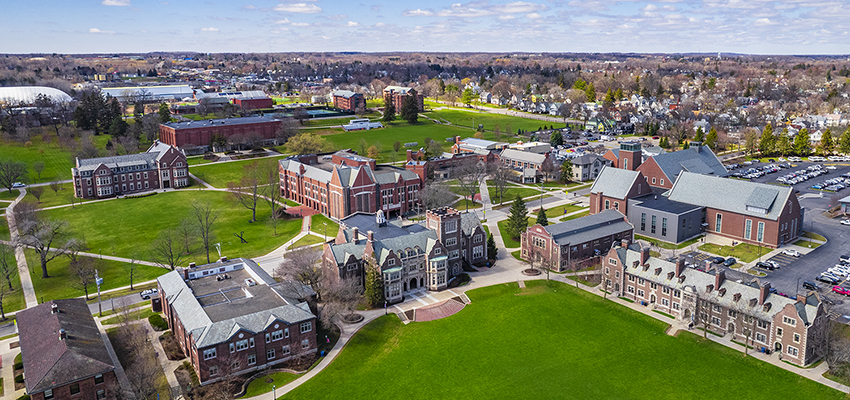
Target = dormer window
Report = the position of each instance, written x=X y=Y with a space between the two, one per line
x=736 y=297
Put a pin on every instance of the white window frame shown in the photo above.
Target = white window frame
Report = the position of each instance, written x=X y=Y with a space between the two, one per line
x=209 y=354
x=306 y=326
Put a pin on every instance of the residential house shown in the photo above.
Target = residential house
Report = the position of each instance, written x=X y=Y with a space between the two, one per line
x=588 y=166
x=530 y=166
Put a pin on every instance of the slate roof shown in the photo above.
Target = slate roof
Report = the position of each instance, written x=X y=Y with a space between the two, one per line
x=220 y=122
x=48 y=360
x=343 y=93
x=733 y=195
x=424 y=240
x=587 y=159
x=588 y=228
x=367 y=222
x=468 y=223
x=614 y=182
x=474 y=143
x=698 y=159
x=146 y=160
x=525 y=156
x=211 y=322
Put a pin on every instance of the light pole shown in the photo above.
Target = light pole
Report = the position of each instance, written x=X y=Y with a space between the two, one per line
x=326 y=230
x=274 y=391
x=98 y=281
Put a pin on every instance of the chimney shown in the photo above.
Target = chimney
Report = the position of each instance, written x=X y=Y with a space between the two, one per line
x=680 y=266
x=54 y=308
x=764 y=290
x=186 y=274
x=371 y=236
x=644 y=255
x=62 y=334
x=355 y=232
x=409 y=155
x=719 y=277
x=223 y=259
x=697 y=146
x=801 y=298
x=625 y=243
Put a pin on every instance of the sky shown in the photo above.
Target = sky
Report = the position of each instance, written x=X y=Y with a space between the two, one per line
x=668 y=26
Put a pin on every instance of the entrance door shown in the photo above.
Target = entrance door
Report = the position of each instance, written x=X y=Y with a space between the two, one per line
x=778 y=347
x=413 y=284
x=652 y=299
x=166 y=184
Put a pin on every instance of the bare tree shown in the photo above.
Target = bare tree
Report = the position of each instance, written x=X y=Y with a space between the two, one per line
x=150 y=126
x=40 y=234
x=469 y=172
x=55 y=186
x=341 y=298
x=301 y=270
x=287 y=129
x=249 y=189
x=166 y=249
x=435 y=195
x=11 y=172
x=8 y=266
x=132 y=267
x=205 y=216
x=270 y=174
x=142 y=368
x=186 y=231
x=37 y=191
x=38 y=167
x=501 y=177
x=704 y=315
x=83 y=269
x=548 y=168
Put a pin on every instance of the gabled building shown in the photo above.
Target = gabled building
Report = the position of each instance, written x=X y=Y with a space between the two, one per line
x=614 y=187
x=410 y=257
x=744 y=312
x=231 y=317
x=162 y=166
x=662 y=170
x=588 y=166
x=529 y=165
x=63 y=353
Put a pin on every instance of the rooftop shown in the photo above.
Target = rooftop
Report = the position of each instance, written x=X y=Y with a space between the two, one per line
x=220 y=122
x=585 y=229
x=656 y=201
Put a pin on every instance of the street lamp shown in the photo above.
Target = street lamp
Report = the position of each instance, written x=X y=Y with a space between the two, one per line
x=98 y=281
x=274 y=391
x=326 y=230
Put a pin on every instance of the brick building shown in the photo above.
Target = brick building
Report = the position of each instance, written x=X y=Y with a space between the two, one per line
x=194 y=134
x=561 y=244
x=343 y=183
x=162 y=166
x=410 y=257
x=348 y=100
x=231 y=317
x=397 y=94
x=613 y=187
x=63 y=353
x=790 y=326
x=661 y=170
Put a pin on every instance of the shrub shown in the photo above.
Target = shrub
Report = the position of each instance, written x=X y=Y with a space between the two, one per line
x=24 y=397
x=157 y=322
x=19 y=365
x=139 y=196
x=19 y=378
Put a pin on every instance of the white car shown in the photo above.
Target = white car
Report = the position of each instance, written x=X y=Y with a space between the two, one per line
x=791 y=252
x=18 y=185
x=845 y=222
x=147 y=294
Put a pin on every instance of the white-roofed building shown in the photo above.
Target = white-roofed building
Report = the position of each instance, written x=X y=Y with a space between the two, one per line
x=28 y=94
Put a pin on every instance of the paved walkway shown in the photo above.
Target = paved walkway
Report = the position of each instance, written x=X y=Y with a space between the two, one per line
x=119 y=370
x=8 y=361
x=23 y=269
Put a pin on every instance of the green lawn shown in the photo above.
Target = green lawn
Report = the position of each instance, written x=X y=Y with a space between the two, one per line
x=318 y=222
x=560 y=211
x=462 y=205
x=260 y=385
x=572 y=345
x=806 y=243
x=812 y=235
x=134 y=224
x=666 y=245
x=4 y=228
x=219 y=174
x=62 y=285
x=503 y=230
x=57 y=160
x=490 y=120
x=6 y=195
x=574 y=216
x=511 y=192
x=742 y=252
x=306 y=241
x=329 y=121
x=14 y=300
x=65 y=195
x=134 y=315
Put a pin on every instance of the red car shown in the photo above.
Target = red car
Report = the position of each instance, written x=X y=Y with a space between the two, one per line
x=841 y=290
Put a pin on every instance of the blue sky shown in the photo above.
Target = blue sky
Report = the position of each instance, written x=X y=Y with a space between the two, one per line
x=742 y=26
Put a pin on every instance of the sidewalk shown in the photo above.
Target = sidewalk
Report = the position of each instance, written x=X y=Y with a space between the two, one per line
x=8 y=361
x=21 y=259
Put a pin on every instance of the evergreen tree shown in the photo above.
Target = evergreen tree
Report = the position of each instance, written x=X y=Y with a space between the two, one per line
x=609 y=97
x=619 y=94
x=711 y=139
x=700 y=135
x=827 y=145
x=492 y=250
x=138 y=110
x=518 y=220
x=567 y=171
x=410 y=107
x=164 y=113
x=801 y=143
x=389 y=110
x=374 y=286
x=783 y=144
x=767 y=143
x=118 y=127
x=686 y=145
x=590 y=93
x=844 y=142
x=541 y=218
x=556 y=140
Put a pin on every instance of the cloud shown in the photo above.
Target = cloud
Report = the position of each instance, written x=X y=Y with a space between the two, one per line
x=519 y=7
x=417 y=13
x=300 y=24
x=249 y=7
x=380 y=24
x=533 y=16
x=764 y=22
x=210 y=29
x=282 y=21
x=479 y=9
x=95 y=30
x=506 y=17
x=352 y=23
x=298 y=8
x=119 y=3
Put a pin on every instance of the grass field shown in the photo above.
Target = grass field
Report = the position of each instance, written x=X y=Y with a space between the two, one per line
x=572 y=345
x=665 y=245
x=307 y=240
x=260 y=385
x=511 y=193
x=742 y=252
x=65 y=195
x=219 y=174
x=503 y=230
x=490 y=120
x=463 y=204
x=574 y=216
x=57 y=160
x=560 y=211
x=318 y=223
x=14 y=300
x=131 y=227
x=4 y=228
x=63 y=285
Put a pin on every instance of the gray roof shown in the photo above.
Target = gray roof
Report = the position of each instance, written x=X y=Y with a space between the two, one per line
x=614 y=182
x=587 y=159
x=343 y=93
x=468 y=223
x=588 y=228
x=656 y=201
x=423 y=240
x=525 y=156
x=219 y=122
x=697 y=158
x=146 y=160
x=213 y=311
x=480 y=143
x=309 y=170
x=367 y=222
x=738 y=196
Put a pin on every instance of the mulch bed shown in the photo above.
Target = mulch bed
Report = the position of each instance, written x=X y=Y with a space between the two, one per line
x=531 y=272
x=171 y=347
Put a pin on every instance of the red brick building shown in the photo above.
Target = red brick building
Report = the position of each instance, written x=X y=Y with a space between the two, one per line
x=344 y=183
x=743 y=311
x=161 y=167
x=231 y=317
x=63 y=353
x=348 y=100
x=614 y=187
x=200 y=133
x=398 y=94
x=253 y=103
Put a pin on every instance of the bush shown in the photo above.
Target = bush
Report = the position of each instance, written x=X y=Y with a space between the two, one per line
x=19 y=365
x=19 y=378
x=139 y=196
x=157 y=322
x=24 y=397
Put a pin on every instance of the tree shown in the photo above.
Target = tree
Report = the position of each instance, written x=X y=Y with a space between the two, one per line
x=118 y=127
x=55 y=186
x=567 y=171
x=143 y=369
x=783 y=144
x=287 y=129
x=165 y=249
x=249 y=189
x=389 y=109
x=38 y=167
x=492 y=250
x=801 y=143
x=8 y=265
x=518 y=219
x=541 y=217
x=11 y=172
x=40 y=234
x=767 y=143
x=374 y=285
x=700 y=135
x=396 y=146
x=844 y=142
x=37 y=191
x=410 y=107
x=500 y=173
x=466 y=97
x=82 y=268
x=205 y=216
x=341 y=298
x=131 y=267
x=164 y=113
x=150 y=126
x=363 y=145
x=590 y=93
x=711 y=139
x=548 y=168
x=469 y=174
x=435 y=195
x=827 y=145
x=306 y=143
x=271 y=177
x=556 y=139
x=372 y=152
x=138 y=110
x=186 y=231
x=301 y=270
x=750 y=141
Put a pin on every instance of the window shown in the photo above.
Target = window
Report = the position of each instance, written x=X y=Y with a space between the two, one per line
x=630 y=289
x=640 y=292
x=631 y=278
x=616 y=205
x=641 y=281
x=715 y=308
x=653 y=285
x=451 y=226
x=665 y=302
x=778 y=331
x=242 y=345
x=748 y=229
x=306 y=327
x=269 y=354
x=146 y=175
x=277 y=335
x=477 y=238
x=252 y=359
x=791 y=350
x=437 y=251
x=662 y=182
x=665 y=290
x=123 y=178
x=652 y=227
x=391 y=262
x=607 y=204
x=718 y=222
x=208 y=354
x=675 y=306
x=763 y=324
x=251 y=342
x=760 y=337
x=132 y=186
x=284 y=351
x=538 y=242
x=98 y=379
x=612 y=261
x=478 y=251
x=653 y=180
x=451 y=241
x=760 y=234
x=454 y=254
x=733 y=314
x=101 y=394
x=213 y=370
x=305 y=343
x=75 y=388
x=796 y=338
x=789 y=321
x=48 y=394
x=643 y=221
x=676 y=293
x=715 y=321
x=146 y=184
x=663 y=226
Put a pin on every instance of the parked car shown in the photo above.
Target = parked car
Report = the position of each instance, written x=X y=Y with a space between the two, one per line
x=827 y=279
x=841 y=290
x=765 y=265
x=791 y=252
x=845 y=222
x=730 y=262
x=147 y=294
x=718 y=260
x=18 y=185
x=810 y=285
